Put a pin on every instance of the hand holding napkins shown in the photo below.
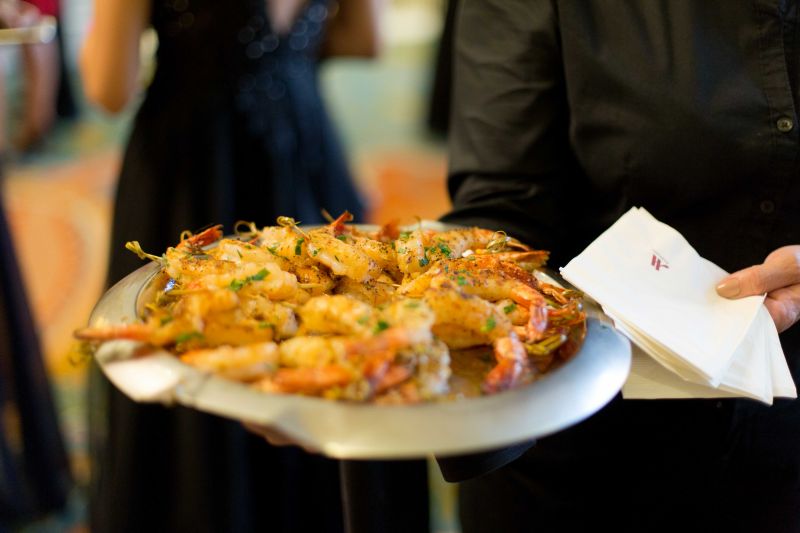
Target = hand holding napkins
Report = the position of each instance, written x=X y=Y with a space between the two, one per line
x=661 y=294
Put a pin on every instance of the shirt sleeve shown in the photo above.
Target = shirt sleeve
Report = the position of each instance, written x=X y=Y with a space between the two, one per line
x=510 y=165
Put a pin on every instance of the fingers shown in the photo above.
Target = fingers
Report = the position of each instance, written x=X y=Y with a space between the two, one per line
x=780 y=269
x=784 y=306
x=779 y=277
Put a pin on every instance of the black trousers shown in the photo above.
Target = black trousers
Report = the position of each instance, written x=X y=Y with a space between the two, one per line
x=385 y=496
x=668 y=465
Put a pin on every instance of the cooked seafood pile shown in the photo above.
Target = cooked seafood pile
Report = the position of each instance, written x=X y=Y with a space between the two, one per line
x=345 y=313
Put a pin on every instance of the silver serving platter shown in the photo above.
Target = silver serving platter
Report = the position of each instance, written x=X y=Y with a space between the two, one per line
x=561 y=398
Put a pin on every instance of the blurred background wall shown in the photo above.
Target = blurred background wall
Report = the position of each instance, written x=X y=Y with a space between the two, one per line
x=58 y=194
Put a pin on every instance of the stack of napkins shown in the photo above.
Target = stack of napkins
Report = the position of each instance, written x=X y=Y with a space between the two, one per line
x=661 y=294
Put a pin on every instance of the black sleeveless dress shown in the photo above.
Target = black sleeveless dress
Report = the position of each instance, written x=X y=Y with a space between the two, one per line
x=232 y=127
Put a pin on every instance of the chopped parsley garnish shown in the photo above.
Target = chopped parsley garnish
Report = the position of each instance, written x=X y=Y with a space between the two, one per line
x=265 y=325
x=424 y=261
x=445 y=249
x=509 y=308
x=404 y=235
x=489 y=325
x=381 y=326
x=261 y=274
x=188 y=336
x=363 y=320
x=314 y=252
x=237 y=284
x=298 y=246
x=165 y=320
x=342 y=238
x=461 y=280
x=273 y=249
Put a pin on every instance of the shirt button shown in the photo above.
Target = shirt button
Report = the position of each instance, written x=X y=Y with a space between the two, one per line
x=785 y=124
x=767 y=206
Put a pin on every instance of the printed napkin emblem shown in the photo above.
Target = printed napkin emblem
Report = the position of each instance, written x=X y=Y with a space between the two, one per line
x=658 y=262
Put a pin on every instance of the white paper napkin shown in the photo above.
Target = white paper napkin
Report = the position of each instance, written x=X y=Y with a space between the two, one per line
x=661 y=294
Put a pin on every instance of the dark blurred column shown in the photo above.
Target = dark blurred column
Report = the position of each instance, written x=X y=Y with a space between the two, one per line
x=385 y=496
x=441 y=90
x=34 y=471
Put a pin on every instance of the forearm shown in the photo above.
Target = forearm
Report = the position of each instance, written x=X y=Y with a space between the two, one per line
x=109 y=62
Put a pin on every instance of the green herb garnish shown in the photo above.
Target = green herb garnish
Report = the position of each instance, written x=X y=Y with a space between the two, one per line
x=238 y=284
x=489 y=325
x=509 y=308
x=298 y=247
x=188 y=336
x=381 y=326
x=258 y=276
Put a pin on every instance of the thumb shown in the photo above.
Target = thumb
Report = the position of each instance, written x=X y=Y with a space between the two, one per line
x=780 y=269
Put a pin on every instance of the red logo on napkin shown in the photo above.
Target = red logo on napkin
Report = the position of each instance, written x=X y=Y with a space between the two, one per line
x=658 y=262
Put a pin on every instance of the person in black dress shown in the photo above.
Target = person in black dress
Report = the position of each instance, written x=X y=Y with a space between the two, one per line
x=232 y=127
x=565 y=115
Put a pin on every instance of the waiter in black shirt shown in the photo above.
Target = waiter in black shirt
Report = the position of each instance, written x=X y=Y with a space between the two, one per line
x=567 y=113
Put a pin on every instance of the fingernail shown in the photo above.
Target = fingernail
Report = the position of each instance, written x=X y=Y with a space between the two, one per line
x=729 y=287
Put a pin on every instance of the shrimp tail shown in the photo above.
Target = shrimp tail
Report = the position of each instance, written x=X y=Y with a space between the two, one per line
x=311 y=380
x=338 y=225
x=393 y=376
x=204 y=238
x=136 y=332
x=382 y=373
x=512 y=361
x=537 y=322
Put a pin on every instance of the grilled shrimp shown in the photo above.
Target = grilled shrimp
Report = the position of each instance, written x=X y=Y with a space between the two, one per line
x=242 y=363
x=337 y=315
x=342 y=258
x=490 y=279
x=464 y=320
x=374 y=292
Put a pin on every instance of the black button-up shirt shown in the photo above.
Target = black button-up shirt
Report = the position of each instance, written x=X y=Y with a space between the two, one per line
x=567 y=113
